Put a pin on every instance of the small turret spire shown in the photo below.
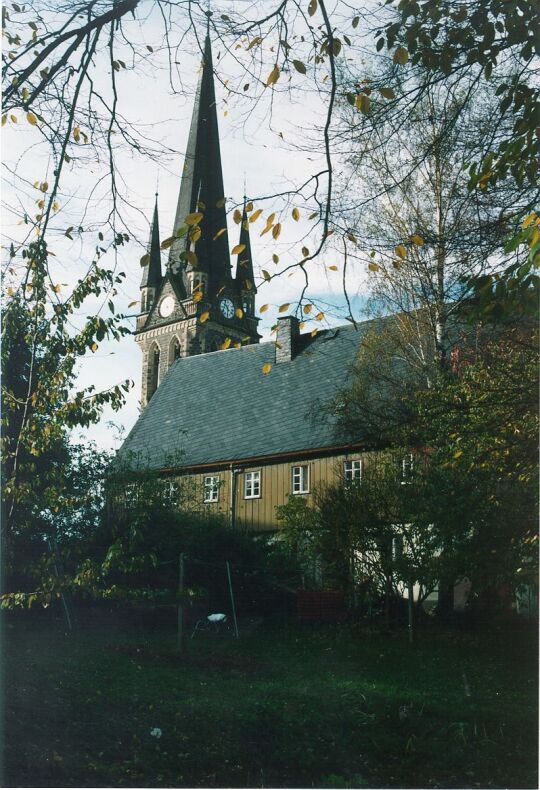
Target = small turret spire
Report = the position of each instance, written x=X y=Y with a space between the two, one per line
x=244 y=267
x=151 y=277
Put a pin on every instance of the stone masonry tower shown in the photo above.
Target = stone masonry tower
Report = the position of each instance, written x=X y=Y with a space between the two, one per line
x=196 y=306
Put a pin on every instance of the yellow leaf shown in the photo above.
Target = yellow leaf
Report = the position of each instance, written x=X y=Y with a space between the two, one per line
x=226 y=343
x=333 y=268
x=388 y=93
x=167 y=243
x=4 y=120
x=44 y=186
x=249 y=207
x=237 y=216
x=273 y=76
x=319 y=317
x=418 y=240
x=307 y=308
x=313 y=215
x=94 y=348
x=276 y=230
x=238 y=249
x=275 y=258
x=529 y=220
x=219 y=233
x=266 y=368
x=314 y=332
x=31 y=118
x=13 y=118
x=458 y=453
x=312 y=7
x=239 y=313
x=373 y=267
x=266 y=275
x=401 y=252
x=238 y=345
x=204 y=317
x=284 y=307
x=194 y=219
x=363 y=103
x=195 y=233
x=256 y=214
x=254 y=43
x=263 y=309
x=301 y=325
x=197 y=296
x=401 y=56
x=145 y=260
x=295 y=214
x=191 y=258
x=76 y=134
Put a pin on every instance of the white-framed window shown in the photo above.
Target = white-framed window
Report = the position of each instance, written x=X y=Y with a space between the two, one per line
x=211 y=488
x=170 y=492
x=300 y=479
x=407 y=466
x=352 y=472
x=252 y=485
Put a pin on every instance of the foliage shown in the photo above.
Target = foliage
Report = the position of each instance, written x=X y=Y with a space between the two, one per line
x=483 y=38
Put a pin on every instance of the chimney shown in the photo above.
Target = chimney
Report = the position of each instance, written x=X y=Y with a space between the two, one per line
x=287 y=334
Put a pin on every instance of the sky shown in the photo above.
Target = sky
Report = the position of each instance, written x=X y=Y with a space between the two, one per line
x=267 y=148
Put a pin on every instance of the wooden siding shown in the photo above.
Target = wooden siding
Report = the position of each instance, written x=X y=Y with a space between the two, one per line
x=276 y=485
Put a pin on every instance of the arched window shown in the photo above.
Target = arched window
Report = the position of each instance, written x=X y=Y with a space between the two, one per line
x=174 y=350
x=154 y=371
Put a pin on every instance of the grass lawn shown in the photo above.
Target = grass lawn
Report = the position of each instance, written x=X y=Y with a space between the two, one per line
x=283 y=707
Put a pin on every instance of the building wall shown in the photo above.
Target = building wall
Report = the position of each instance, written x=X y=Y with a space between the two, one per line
x=276 y=485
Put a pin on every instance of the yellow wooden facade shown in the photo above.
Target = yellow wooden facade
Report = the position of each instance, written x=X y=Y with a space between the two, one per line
x=258 y=513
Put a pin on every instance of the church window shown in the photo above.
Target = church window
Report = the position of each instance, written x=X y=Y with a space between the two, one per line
x=352 y=472
x=252 y=485
x=300 y=479
x=154 y=371
x=211 y=488
x=174 y=351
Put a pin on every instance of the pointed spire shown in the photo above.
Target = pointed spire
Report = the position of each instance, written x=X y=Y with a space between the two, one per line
x=244 y=267
x=201 y=188
x=151 y=277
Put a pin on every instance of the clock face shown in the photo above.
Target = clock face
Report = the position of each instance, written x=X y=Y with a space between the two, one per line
x=166 y=307
x=227 y=308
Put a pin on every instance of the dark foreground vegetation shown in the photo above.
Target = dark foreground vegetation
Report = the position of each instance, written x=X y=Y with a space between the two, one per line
x=285 y=706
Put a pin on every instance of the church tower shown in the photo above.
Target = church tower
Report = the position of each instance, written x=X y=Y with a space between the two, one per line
x=196 y=306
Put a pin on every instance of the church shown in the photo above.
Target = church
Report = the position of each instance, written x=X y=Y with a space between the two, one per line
x=244 y=420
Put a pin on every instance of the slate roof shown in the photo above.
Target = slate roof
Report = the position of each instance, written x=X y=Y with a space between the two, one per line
x=220 y=407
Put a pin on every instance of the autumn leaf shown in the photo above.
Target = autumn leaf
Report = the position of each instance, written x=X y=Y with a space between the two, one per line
x=263 y=309
x=312 y=7
x=226 y=343
x=195 y=233
x=307 y=308
x=418 y=240
x=204 y=316
x=401 y=252
x=333 y=268
x=31 y=118
x=266 y=275
x=76 y=134
x=401 y=56
x=238 y=249
x=273 y=76
x=295 y=214
x=299 y=66
x=388 y=93
x=237 y=216
x=254 y=43
x=248 y=207
x=275 y=258
x=191 y=258
x=167 y=243
x=239 y=313
x=276 y=230
x=373 y=267
x=284 y=307
x=256 y=214
x=194 y=219
x=132 y=304
x=319 y=317
x=305 y=252
x=363 y=103
x=314 y=332
x=355 y=21
x=266 y=368
x=197 y=296
x=219 y=233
